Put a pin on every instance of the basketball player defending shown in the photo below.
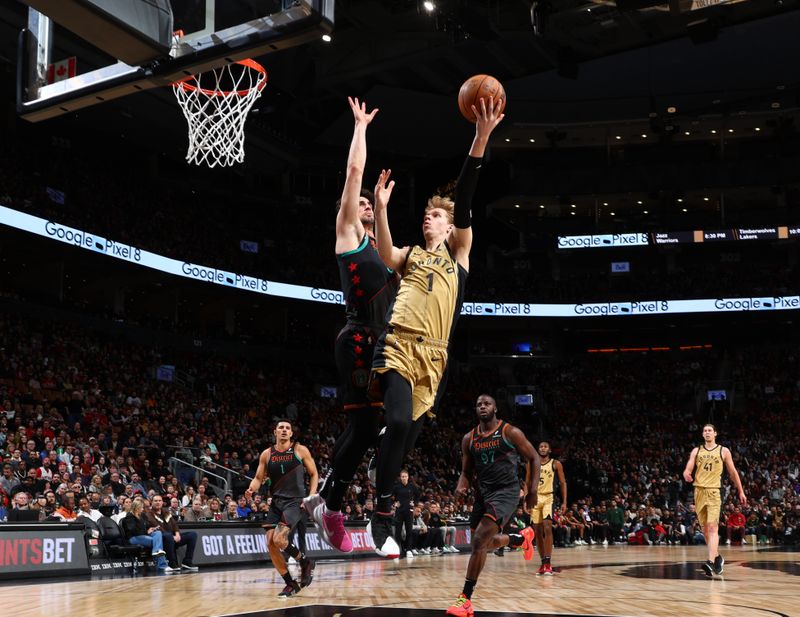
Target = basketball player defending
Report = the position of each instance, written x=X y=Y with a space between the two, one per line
x=542 y=513
x=492 y=452
x=707 y=462
x=411 y=355
x=369 y=288
x=283 y=465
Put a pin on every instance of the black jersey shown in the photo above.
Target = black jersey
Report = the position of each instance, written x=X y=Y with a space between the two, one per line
x=369 y=287
x=496 y=459
x=286 y=473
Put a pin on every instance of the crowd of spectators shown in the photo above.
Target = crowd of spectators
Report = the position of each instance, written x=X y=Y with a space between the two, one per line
x=84 y=416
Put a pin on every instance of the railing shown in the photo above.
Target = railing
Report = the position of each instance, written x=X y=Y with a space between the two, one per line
x=180 y=468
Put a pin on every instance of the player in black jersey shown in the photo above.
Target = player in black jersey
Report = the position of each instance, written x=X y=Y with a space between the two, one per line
x=369 y=288
x=283 y=465
x=491 y=451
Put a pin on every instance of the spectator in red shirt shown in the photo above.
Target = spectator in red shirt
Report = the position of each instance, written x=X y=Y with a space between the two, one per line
x=735 y=525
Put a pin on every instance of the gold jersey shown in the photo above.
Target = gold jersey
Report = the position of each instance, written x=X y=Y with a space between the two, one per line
x=708 y=467
x=547 y=477
x=430 y=295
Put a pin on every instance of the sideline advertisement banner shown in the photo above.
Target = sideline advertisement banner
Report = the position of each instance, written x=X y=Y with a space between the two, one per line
x=34 y=550
x=52 y=550
x=220 y=543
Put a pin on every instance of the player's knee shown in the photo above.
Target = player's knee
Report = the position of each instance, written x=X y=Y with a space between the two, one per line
x=398 y=425
x=482 y=537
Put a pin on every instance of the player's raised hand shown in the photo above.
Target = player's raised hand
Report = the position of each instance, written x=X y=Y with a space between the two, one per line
x=360 y=111
x=383 y=189
x=489 y=116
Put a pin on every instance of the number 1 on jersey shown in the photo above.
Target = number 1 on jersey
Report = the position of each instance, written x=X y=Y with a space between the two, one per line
x=430 y=282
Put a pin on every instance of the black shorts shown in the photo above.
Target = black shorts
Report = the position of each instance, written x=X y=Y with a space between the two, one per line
x=498 y=504
x=285 y=511
x=355 y=347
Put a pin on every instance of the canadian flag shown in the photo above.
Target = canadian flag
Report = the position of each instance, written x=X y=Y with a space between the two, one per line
x=59 y=71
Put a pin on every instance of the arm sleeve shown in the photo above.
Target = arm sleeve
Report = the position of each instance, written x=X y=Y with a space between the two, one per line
x=465 y=189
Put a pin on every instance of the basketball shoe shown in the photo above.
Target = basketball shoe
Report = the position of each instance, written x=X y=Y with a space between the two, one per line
x=331 y=526
x=307 y=571
x=462 y=607
x=290 y=590
x=380 y=530
x=719 y=561
x=527 y=546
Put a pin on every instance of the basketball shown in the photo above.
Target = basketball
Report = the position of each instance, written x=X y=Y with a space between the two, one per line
x=476 y=88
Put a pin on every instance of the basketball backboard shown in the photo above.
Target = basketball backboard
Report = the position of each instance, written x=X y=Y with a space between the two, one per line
x=65 y=64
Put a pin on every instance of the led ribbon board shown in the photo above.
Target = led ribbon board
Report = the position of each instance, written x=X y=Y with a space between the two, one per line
x=209 y=274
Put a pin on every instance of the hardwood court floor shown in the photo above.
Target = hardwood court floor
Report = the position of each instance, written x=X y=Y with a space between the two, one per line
x=609 y=581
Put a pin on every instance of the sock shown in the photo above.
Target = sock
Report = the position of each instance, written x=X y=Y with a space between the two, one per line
x=325 y=485
x=469 y=587
x=545 y=560
x=288 y=578
x=336 y=495
x=295 y=552
x=330 y=510
x=515 y=540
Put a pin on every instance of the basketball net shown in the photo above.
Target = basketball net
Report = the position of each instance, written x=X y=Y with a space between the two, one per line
x=217 y=112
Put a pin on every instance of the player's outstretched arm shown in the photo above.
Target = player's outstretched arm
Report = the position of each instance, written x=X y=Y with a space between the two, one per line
x=311 y=468
x=261 y=473
x=391 y=256
x=467 y=467
x=559 y=468
x=489 y=116
x=526 y=449
x=687 y=473
x=349 y=229
x=727 y=458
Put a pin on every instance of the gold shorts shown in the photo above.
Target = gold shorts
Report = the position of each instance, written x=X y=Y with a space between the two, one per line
x=420 y=361
x=707 y=503
x=543 y=509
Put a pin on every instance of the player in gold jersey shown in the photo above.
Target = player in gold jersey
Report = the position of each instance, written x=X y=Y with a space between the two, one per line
x=542 y=513
x=707 y=462
x=411 y=355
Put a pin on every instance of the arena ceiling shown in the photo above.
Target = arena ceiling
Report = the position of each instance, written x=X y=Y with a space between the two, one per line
x=594 y=67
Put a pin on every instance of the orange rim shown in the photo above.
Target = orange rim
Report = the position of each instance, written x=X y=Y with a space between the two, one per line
x=248 y=62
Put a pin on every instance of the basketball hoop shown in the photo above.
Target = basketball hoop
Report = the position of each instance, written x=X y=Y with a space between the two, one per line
x=216 y=114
